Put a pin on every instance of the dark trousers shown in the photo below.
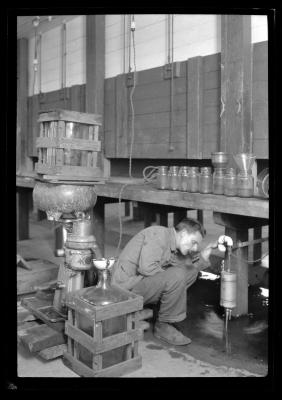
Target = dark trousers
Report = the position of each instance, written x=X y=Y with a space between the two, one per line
x=168 y=287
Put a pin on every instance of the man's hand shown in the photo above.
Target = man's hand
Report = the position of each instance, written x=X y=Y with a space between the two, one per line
x=206 y=252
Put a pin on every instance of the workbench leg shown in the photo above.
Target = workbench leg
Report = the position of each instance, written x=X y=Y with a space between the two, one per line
x=149 y=215
x=164 y=219
x=257 y=247
x=23 y=206
x=137 y=211
x=41 y=215
x=200 y=216
x=127 y=208
x=99 y=223
x=240 y=267
x=179 y=215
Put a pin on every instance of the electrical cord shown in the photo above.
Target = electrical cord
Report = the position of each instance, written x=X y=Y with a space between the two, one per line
x=131 y=101
x=150 y=176
x=35 y=61
x=132 y=29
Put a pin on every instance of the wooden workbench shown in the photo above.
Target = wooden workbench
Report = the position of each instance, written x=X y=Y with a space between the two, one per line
x=236 y=214
x=148 y=193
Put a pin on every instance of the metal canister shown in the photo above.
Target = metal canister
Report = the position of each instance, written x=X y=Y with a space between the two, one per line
x=230 y=182
x=183 y=179
x=205 y=180
x=162 y=178
x=228 y=285
x=173 y=178
x=245 y=184
x=193 y=180
x=218 y=181
x=263 y=183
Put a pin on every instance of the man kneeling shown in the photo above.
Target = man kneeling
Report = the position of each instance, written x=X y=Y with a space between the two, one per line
x=159 y=264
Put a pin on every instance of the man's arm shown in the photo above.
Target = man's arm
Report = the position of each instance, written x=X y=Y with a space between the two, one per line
x=150 y=257
x=203 y=261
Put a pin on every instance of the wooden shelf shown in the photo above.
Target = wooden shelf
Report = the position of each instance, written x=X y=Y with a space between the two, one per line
x=252 y=207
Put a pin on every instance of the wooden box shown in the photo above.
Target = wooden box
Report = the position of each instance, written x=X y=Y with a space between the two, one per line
x=103 y=340
x=68 y=145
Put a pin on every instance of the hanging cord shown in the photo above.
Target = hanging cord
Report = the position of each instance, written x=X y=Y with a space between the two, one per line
x=250 y=261
x=150 y=176
x=35 y=61
x=171 y=119
x=132 y=29
x=131 y=97
x=129 y=43
x=40 y=62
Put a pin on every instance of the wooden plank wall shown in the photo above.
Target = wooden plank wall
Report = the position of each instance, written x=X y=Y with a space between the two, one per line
x=260 y=100
x=151 y=101
x=196 y=110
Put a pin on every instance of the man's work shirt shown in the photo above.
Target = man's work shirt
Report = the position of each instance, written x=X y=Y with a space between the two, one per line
x=150 y=251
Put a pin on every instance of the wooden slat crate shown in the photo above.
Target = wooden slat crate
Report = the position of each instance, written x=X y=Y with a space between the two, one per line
x=103 y=340
x=68 y=144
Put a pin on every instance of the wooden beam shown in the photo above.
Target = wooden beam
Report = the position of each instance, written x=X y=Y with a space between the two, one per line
x=236 y=84
x=23 y=201
x=23 y=162
x=195 y=78
x=95 y=75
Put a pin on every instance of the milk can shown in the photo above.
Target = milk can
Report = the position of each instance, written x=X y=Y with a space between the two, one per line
x=230 y=182
x=218 y=181
x=173 y=178
x=184 y=179
x=205 y=180
x=245 y=184
x=193 y=180
x=162 y=178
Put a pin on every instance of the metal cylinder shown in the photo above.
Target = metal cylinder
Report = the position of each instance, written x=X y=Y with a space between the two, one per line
x=228 y=286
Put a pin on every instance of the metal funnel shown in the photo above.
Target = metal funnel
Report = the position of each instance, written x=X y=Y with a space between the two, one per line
x=244 y=161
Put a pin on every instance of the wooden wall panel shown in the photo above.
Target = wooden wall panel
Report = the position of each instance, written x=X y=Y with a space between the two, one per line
x=151 y=101
x=121 y=117
x=260 y=100
x=195 y=96
x=211 y=105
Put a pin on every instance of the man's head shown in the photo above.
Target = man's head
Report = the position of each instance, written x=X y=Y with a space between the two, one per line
x=189 y=235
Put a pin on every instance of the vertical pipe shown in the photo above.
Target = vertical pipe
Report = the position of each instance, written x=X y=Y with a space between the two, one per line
x=129 y=43
x=124 y=44
x=40 y=62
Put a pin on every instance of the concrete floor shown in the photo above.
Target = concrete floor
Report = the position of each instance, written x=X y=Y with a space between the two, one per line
x=204 y=357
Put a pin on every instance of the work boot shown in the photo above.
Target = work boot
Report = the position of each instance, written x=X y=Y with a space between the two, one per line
x=169 y=334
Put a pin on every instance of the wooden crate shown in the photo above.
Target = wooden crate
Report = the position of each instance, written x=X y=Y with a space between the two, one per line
x=103 y=340
x=68 y=144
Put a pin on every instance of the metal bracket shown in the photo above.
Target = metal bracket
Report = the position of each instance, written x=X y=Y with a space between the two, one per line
x=130 y=79
x=167 y=70
x=64 y=93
